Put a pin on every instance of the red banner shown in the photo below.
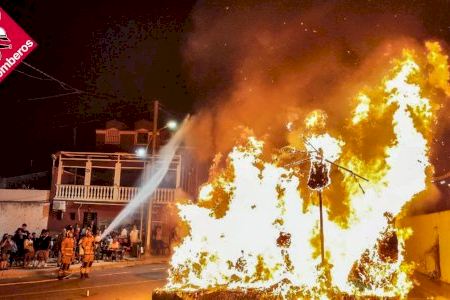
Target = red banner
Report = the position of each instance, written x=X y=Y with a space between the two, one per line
x=15 y=44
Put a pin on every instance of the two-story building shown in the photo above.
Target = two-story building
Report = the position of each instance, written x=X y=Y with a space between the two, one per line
x=96 y=186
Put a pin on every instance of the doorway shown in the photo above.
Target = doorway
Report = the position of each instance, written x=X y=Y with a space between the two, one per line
x=88 y=217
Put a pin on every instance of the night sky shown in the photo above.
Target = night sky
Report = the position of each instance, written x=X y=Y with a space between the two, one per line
x=123 y=55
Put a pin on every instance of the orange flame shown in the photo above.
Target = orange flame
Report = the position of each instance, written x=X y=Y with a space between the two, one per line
x=253 y=227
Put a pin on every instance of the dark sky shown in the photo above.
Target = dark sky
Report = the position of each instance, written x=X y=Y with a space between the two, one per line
x=127 y=50
x=124 y=54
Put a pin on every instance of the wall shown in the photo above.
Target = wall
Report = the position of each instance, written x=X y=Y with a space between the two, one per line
x=429 y=231
x=105 y=215
x=19 y=206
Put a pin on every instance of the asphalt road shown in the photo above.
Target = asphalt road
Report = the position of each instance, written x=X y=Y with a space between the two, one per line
x=138 y=282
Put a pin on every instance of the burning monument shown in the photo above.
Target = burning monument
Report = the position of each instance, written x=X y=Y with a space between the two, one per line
x=254 y=233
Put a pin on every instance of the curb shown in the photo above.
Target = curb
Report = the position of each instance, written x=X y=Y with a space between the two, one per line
x=23 y=273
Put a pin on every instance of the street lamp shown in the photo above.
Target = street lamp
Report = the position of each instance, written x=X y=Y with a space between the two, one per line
x=141 y=152
x=172 y=125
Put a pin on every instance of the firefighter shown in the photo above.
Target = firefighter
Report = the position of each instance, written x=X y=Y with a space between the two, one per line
x=67 y=255
x=87 y=247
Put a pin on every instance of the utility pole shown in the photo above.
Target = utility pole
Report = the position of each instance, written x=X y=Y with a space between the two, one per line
x=155 y=126
x=322 y=239
x=75 y=137
x=149 y=209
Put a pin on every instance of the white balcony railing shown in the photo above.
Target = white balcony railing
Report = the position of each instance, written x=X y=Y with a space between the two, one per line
x=98 y=193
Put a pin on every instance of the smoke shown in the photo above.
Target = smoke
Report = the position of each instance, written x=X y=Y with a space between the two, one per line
x=260 y=65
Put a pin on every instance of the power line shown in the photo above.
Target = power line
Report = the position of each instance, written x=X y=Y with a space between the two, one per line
x=75 y=91
x=53 y=96
x=172 y=113
x=63 y=84
x=31 y=76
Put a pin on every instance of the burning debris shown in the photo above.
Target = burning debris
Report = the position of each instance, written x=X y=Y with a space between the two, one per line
x=319 y=175
x=253 y=232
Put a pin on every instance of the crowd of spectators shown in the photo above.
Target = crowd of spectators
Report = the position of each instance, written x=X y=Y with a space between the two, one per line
x=25 y=248
x=30 y=250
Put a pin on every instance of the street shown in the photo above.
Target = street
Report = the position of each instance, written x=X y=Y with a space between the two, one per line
x=138 y=282
x=135 y=282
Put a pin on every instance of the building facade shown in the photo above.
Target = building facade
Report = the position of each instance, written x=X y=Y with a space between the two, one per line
x=95 y=186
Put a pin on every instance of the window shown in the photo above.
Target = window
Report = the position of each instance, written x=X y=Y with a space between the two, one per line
x=59 y=215
x=88 y=217
x=142 y=138
x=72 y=216
x=112 y=136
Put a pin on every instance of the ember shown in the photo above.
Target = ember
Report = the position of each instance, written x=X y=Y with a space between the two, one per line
x=284 y=240
x=255 y=230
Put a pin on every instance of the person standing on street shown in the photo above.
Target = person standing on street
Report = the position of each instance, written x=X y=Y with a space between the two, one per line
x=43 y=248
x=123 y=233
x=174 y=238
x=29 y=251
x=87 y=248
x=134 y=241
x=6 y=248
x=19 y=238
x=67 y=255
x=60 y=238
x=159 y=240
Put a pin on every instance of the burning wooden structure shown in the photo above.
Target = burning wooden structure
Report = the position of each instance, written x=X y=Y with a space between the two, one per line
x=254 y=232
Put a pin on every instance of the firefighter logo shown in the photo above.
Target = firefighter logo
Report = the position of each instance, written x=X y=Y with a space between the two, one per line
x=5 y=43
x=15 y=44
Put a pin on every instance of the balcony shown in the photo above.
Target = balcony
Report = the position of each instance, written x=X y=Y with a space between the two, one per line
x=107 y=194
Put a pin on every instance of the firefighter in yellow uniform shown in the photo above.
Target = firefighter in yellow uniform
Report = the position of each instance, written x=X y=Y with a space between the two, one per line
x=88 y=250
x=67 y=255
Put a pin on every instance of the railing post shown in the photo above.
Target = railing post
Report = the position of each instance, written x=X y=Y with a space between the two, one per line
x=85 y=192
x=115 y=193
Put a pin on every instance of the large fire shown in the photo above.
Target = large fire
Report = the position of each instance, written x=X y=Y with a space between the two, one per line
x=256 y=223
